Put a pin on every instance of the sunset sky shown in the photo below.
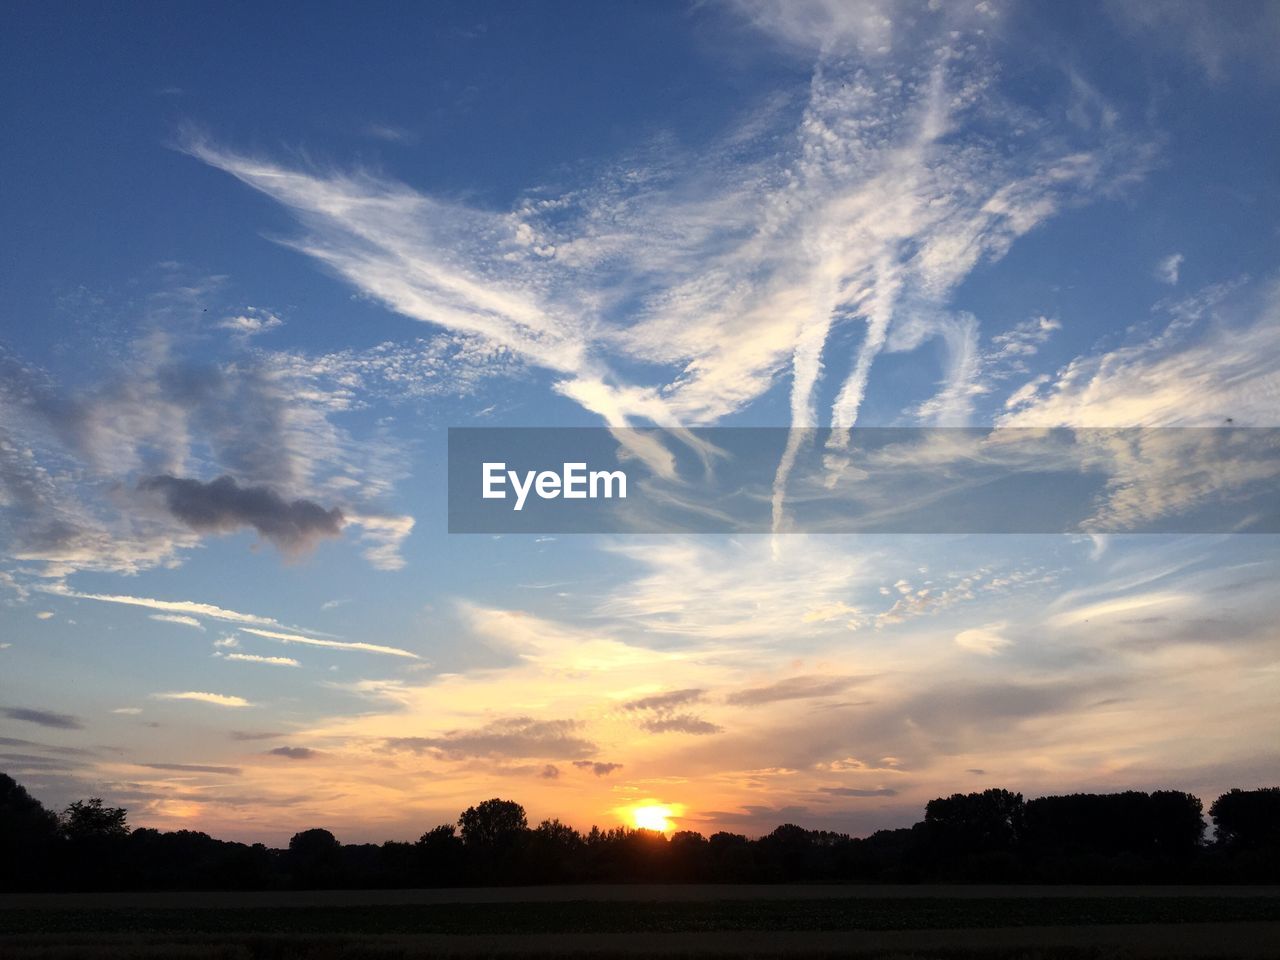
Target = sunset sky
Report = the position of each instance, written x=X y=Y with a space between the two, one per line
x=293 y=246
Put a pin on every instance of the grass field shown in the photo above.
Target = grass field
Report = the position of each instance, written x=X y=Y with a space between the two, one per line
x=621 y=917
x=1008 y=926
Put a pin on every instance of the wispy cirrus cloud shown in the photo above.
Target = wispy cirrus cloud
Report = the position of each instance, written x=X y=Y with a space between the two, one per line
x=200 y=696
x=178 y=618
x=794 y=688
x=725 y=276
x=193 y=768
x=331 y=644
x=260 y=626
x=269 y=661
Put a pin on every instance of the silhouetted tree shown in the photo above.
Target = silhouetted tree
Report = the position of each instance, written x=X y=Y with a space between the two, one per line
x=730 y=856
x=95 y=835
x=553 y=852
x=1093 y=838
x=492 y=833
x=28 y=834
x=314 y=858
x=973 y=835
x=1247 y=819
x=689 y=856
x=91 y=820
x=492 y=823
x=440 y=856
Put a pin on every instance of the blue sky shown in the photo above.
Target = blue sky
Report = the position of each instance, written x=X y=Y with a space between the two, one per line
x=292 y=247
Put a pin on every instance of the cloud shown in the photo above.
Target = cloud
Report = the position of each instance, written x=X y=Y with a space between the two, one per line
x=720 y=278
x=854 y=792
x=254 y=658
x=254 y=735
x=44 y=718
x=509 y=738
x=599 y=769
x=160 y=405
x=178 y=607
x=331 y=644
x=46 y=747
x=389 y=133
x=794 y=688
x=294 y=753
x=1167 y=269
x=1219 y=38
x=680 y=723
x=826 y=26
x=665 y=701
x=988 y=640
x=178 y=618
x=193 y=768
x=1213 y=360
x=251 y=322
x=217 y=699
x=223 y=506
x=550 y=772
x=247 y=622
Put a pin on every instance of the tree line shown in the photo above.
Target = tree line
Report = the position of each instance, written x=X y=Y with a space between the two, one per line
x=992 y=836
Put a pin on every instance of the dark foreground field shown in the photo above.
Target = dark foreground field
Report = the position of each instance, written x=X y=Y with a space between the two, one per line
x=918 y=922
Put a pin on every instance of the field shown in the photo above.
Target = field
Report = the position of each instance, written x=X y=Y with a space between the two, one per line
x=911 y=922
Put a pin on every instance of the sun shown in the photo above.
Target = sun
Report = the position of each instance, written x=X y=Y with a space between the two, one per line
x=653 y=817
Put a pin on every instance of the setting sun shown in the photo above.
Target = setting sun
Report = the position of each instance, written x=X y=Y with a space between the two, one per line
x=654 y=817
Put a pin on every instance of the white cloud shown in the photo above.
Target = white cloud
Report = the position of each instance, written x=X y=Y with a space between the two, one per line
x=216 y=699
x=189 y=608
x=251 y=322
x=1167 y=269
x=331 y=644
x=253 y=658
x=1215 y=362
x=178 y=618
x=986 y=640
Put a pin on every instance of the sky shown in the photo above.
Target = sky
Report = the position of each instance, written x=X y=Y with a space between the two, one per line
x=257 y=261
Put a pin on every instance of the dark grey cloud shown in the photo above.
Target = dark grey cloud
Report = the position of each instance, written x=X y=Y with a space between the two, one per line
x=550 y=772
x=794 y=688
x=662 y=716
x=193 y=768
x=255 y=735
x=222 y=506
x=854 y=792
x=45 y=747
x=665 y=701
x=509 y=738
x=262 y=420
x=294 y=753
x=45 y=718
x=681 y=723
x=29 y=761
x=599 y=769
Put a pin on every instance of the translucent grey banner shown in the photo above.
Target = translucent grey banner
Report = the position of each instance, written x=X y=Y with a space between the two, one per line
x=865 y=480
